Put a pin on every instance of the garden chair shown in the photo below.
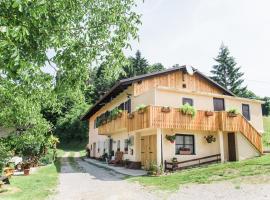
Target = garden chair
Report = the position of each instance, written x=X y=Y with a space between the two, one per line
x=118 y=158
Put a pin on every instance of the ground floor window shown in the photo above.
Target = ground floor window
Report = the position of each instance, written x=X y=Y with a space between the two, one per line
x=184 y=144
x=126 y=146
x=118 y=145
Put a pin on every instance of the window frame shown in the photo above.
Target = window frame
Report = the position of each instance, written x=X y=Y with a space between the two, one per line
x=187 y=99
x=193 y=145
x=223 y=100
x=249 y=116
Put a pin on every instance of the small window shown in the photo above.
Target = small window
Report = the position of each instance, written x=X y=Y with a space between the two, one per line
x=118 y=145
x=245 y=111
x=128 y=105
x=126 y=146
x=219 y=104
x=188 y=100
x=184 y=145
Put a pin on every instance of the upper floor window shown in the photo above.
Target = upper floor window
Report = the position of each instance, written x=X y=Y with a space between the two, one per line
x=246 y=111
x=184 y=145
x=219 y=104
x=188 y=100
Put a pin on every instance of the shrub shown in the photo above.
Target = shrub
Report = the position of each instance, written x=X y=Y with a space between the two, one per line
x=233 y=111
x=188 y=110
x=140 y=107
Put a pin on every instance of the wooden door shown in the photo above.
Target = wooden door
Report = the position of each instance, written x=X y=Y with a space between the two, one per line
x=219 y=104
x=231 y=147
x=148 y=150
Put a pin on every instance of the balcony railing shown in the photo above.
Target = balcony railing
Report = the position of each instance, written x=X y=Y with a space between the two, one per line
x=154 y=117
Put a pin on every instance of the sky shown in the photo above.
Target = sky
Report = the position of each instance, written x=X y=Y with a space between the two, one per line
x=191 y=32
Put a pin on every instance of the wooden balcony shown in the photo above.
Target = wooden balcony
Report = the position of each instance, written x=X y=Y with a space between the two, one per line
x=153 y=117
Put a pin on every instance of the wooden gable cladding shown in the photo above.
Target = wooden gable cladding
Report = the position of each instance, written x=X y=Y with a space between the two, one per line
x=178 y=80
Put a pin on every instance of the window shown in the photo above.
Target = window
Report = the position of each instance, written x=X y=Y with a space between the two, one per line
x=219 y=104
x=128 y=105
x=188 y=100
x=118 y=145
x=126 y=146
x=245 y=111
x=184 y=145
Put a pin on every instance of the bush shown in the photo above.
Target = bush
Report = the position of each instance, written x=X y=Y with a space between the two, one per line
x=5 y=155
x=188 y=110
x=48 y=158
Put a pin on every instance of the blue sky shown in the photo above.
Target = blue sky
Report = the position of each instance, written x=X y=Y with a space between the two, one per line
x=191 y=32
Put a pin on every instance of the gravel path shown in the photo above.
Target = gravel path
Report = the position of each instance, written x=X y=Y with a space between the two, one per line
x=90 y=182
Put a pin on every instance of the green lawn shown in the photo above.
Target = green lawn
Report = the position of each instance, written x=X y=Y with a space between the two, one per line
x=37 y=186
x=266 y=135
x=216 y=172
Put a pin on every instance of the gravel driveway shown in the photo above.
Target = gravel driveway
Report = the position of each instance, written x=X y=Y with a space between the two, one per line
x=93 y=183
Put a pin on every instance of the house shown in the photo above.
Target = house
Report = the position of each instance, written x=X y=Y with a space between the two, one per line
x=143 y=134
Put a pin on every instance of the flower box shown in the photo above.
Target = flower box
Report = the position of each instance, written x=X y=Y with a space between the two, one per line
x=120 y=115
x=130 y=116
x=165 y=109
x=141 y=111
x=209 y=113
x=232 y=114
x=185 y=151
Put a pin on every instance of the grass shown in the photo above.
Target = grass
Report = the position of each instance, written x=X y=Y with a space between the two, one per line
x=266 y=135
x=73 y=147
x=211 y=173
x=37 y=186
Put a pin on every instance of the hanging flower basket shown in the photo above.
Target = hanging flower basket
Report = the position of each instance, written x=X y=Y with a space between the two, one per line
x=165 y=109
x=210 y=138
x=209 y=113
x=171 y=138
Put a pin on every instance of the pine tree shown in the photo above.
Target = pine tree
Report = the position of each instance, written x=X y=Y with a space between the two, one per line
x=227 y=74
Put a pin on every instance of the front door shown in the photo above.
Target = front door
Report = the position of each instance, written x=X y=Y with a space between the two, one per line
x=219 y=104
x=148 y=150
x=231 y=147
x=94 y=150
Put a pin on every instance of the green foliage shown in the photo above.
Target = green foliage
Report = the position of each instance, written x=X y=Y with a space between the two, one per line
x=138 y=65
x=233 y=111
x=5 y=155
x=266 y=106
x=140 y=107
x=171 y=138
x=227 y=74
x=70 y=127
x=216 y=172
x=188 y=110
x=266 y=134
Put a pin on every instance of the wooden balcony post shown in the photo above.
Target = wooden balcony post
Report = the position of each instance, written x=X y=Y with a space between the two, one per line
x=221 y=146
x=159 y=147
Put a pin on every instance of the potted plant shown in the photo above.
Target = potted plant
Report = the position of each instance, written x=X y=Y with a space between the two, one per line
x=232 y=112
x=141 y=108
x=171 y=138
x=187 y=109
x=130 y=116
x=174 y=160
x=209 y=113
x=114 y=114
x=165 y=109
x=26 y=168
x=210 y=138
x=184 y=151
x=119 y=113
